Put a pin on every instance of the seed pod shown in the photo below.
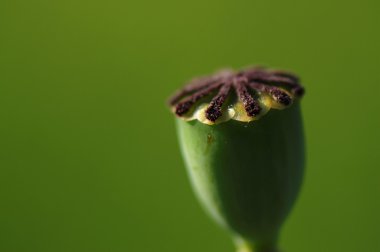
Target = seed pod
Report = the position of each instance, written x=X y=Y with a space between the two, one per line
x=246 y=172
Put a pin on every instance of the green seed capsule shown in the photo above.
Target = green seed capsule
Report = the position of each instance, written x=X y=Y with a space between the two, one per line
x=246 y=172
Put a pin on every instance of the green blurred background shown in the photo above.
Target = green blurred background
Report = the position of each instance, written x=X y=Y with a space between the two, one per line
x=89 y=159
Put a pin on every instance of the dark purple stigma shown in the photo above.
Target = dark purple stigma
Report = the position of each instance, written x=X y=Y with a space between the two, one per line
x=245 y=85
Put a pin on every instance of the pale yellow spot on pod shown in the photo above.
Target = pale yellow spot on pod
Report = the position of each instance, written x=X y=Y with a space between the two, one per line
x=242 y=116
x=240 y=113
x=200 y=114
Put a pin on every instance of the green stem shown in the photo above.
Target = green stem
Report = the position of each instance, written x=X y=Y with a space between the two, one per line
x=245 y=246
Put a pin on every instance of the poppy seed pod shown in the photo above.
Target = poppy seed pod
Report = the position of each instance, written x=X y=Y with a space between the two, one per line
x=245 y=168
